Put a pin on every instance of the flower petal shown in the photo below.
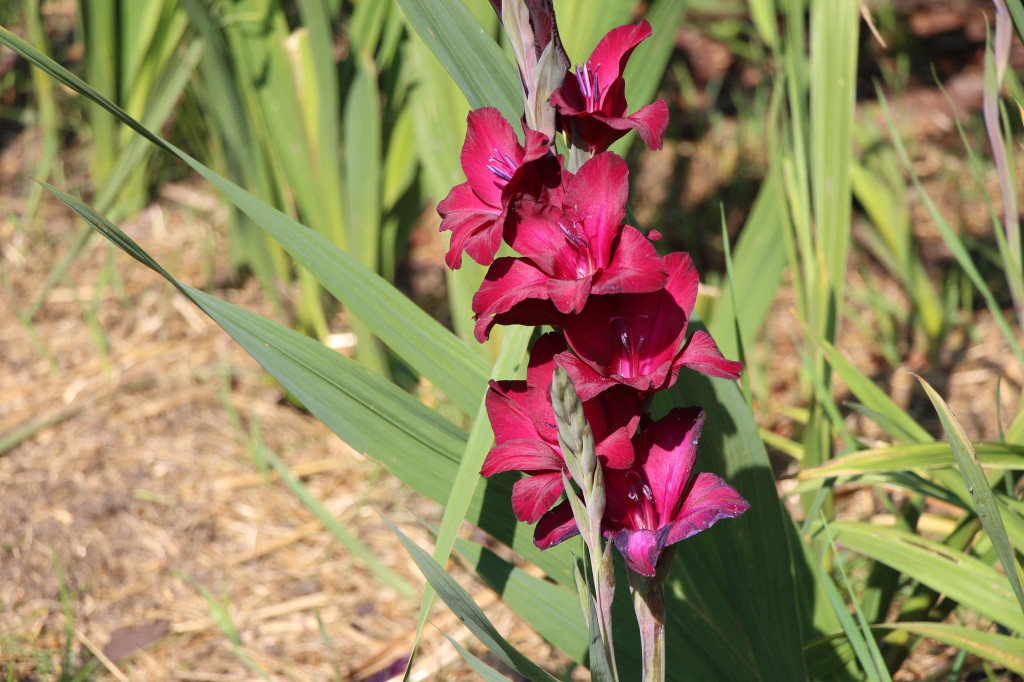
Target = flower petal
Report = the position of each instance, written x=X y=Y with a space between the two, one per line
x=534 y=495
x=587 y=381
x=523 y=454
x=490 y=141
x=634 y=268
x=508 y=411
x=596 y=200
x=531 y=312
x=668 y=449
x=614 y=49
x=702 y=354
x=650 y=122
x=708 y=501
x=476 y=226
x=508 y=281
x=558 y=525
x=640 y=548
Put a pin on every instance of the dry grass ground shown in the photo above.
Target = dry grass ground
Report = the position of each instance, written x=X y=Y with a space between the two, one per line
x=141 y=486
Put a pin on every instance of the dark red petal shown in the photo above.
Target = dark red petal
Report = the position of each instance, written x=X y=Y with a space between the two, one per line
x=558 y=525
x=488 y=137
x=474 y=224
x=635 y=268
x=650 y=122
x=521 y=455
x=508 y=281
x=614 y=49
x=702 y=354
x=640 y=548
x=533 y=232
x=568 y=296
x=709 y=500
x=537 y=145
x=538 y=380
x=508 y=411
x=616 y=449
x=596 y=198
x=534 y=495
x=683 y=280
x=587 y=381
x=668 y=449
x=531 y=312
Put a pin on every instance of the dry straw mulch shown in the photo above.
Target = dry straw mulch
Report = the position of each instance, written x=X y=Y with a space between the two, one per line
x=141 y=485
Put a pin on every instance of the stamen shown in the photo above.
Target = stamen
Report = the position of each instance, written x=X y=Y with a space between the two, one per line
x=502 y=165
x=590 y=87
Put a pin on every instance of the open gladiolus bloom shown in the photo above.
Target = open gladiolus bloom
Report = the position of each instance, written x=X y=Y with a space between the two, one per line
x=657 y=501
x=594 y=462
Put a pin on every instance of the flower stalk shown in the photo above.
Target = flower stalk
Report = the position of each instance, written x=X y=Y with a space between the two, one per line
x=576 y=441
x=649 y=604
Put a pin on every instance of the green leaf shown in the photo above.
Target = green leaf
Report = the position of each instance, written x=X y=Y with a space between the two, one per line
x=486 y=672
x=481 y=437
x=979 y=489
x=463 y=606
x=483 y=72
x=410 y=332
x=897 y=458
x=959 y=576
x=551 y=609
x=736 y=579
x=758 y=261
x=1004 y=650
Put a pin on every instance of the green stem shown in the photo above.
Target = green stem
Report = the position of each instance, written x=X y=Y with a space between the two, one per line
x=649 y=605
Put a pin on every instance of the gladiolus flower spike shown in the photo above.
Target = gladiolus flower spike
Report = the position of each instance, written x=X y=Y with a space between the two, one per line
x=590 y=455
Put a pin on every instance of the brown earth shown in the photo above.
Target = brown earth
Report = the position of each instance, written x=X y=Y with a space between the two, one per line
x=139 y=487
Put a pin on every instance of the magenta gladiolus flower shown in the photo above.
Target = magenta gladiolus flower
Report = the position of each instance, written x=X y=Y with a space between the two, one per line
x=638 y=339
x=526 y=436
x=592 y=102
x=498 y=169
x=571 y=250
x=656 y=503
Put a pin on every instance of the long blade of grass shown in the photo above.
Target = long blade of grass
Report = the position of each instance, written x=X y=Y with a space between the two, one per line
x=552 y=609
x=486 y=672
x=1004 y=650
x=470 y=55
x=363 y=179
x=933 y=455
x=481 y=437
x=858 y=633
x=758 y=261
x=978 y=487
x=959 y=576
x=415 y=336
x=463 y=606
